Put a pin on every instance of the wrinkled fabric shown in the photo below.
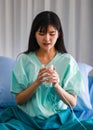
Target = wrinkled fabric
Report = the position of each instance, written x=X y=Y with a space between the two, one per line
x=46 y=102
x=14 y=118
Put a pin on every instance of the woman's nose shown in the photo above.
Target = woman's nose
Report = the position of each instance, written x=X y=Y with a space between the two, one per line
x=47 y=37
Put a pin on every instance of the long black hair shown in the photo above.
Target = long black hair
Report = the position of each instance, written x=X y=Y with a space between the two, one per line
x=42 y=21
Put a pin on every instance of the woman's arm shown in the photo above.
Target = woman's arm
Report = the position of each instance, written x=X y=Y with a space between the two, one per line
x=66 y=97
x=26 y=94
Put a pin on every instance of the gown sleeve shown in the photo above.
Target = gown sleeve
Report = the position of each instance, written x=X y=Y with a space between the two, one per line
x=19 y=76
x=72 y=80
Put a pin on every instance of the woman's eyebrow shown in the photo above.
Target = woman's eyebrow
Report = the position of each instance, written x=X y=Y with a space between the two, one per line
x=52 y=31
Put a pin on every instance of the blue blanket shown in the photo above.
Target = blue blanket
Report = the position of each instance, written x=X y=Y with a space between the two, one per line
x=14 y=118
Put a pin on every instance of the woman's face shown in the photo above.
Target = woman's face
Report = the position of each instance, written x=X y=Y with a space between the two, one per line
x=47 y=40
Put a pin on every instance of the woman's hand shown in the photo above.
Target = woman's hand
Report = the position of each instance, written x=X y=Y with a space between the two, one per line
x=48 y=75
x=54 y=77
x=43 y=75
x=51 y=75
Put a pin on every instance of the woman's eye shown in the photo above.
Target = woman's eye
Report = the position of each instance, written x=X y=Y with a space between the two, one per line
x=52 y=34
x=41 y=33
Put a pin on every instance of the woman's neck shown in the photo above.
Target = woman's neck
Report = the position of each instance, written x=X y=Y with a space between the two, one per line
x=45 y=56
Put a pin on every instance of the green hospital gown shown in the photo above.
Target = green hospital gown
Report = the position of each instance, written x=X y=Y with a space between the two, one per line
x=46 y=102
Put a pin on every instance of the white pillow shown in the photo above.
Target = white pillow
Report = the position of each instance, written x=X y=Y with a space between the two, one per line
x=83 y=100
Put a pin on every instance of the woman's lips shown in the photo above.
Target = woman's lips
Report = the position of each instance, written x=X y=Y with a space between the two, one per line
x=46 y=44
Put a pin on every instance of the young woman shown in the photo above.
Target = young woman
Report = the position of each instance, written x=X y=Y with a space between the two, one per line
x=44 y=93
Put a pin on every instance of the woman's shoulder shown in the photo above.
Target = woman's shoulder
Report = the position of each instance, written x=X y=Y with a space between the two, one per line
x=24 y=56
x=66 y=57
